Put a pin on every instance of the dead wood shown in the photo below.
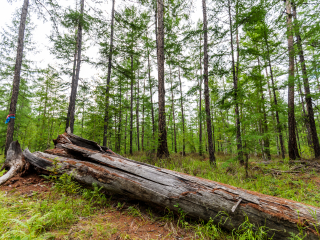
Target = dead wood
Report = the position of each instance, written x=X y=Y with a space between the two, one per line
x=14 y=163
x=228 y=206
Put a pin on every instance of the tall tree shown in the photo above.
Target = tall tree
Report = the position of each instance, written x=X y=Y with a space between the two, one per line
x=162 y=144
x=310 y=115
x=16 y=79
x=106 y=114
x=235 y=89
x=212 y=158
x=75 y=78
x=292 y=142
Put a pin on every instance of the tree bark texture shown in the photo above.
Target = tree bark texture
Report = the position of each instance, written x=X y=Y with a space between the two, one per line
x=312 y=124
x=16 y=78
x=212 y=158
x=131 y=106
x=75 y=80
x=106 y=114
x=162 y=138
x=182 y=118
x=227 y=206
x=275 y=101
x=292 y=142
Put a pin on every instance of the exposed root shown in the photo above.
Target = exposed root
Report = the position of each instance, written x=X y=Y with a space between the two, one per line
x=15 y=162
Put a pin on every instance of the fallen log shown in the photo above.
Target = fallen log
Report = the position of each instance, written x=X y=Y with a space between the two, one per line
x=228 y=206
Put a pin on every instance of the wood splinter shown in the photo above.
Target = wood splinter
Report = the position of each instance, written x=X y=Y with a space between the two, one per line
x=236 y=205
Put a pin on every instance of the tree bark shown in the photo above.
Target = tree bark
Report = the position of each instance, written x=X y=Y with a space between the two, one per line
x=212 y=158
x=310 y=116
x=131 y=106
x=173 y=114
x=227 y=206
x=200 y=105
x=275 y=101
x=106 y=113
x=137 y=113
x=235 y=89
x=16 y=78
x=182 y=116
x=292 y=142
x=162 y=138
x=74 y=85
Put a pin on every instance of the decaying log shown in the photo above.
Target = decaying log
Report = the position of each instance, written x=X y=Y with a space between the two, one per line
x=14 y=162
x=228 y=206
x=199 y=198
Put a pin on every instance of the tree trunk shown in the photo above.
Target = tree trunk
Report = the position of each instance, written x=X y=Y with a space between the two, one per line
x=143 y=119
x=275 y=101
x=235 y=89
x=173 y=114
x=106 y=113
x=200 y=105
x=226 y=205
x=120 y=119
x=131 y=106
x=212 y=158
x=292 y=142
x=151 y=95
x=266 y=140
x=272 y=113
x=162 y=144
x=137 y=113
x=74 y=85
x=182 y=116
x=16 y=78
x=304 y=114
x=312 y=124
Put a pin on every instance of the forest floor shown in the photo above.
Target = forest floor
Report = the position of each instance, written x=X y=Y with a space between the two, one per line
x=34 y=207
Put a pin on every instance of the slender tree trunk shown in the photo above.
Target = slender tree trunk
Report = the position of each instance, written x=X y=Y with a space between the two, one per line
x=272 y=114
x=305 y=115
x=235 y=87
x=265 y=121
x=74 y=86
x=137 y=113
x=151 y=95
x=162 y=145
x=182 y=116
x=212 y=158
x=275 y=101
x=131 y=106
x=143 y=119
x=200 y=106
x=173 y=116
x=17 y=70
x=120 y=118
x=292 y=143
x=106 y=113
x=310 y=115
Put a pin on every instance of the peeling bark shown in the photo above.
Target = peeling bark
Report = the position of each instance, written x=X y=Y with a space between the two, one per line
x=15 y=162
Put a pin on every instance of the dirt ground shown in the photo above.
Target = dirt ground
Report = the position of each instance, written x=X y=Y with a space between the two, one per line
x=112 y=223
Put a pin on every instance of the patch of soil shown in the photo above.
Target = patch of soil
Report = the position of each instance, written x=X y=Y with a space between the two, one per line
x=26 y=184
x=113 y=224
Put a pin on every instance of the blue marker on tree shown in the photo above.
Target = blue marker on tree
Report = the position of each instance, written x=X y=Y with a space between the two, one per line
x=9 y=117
